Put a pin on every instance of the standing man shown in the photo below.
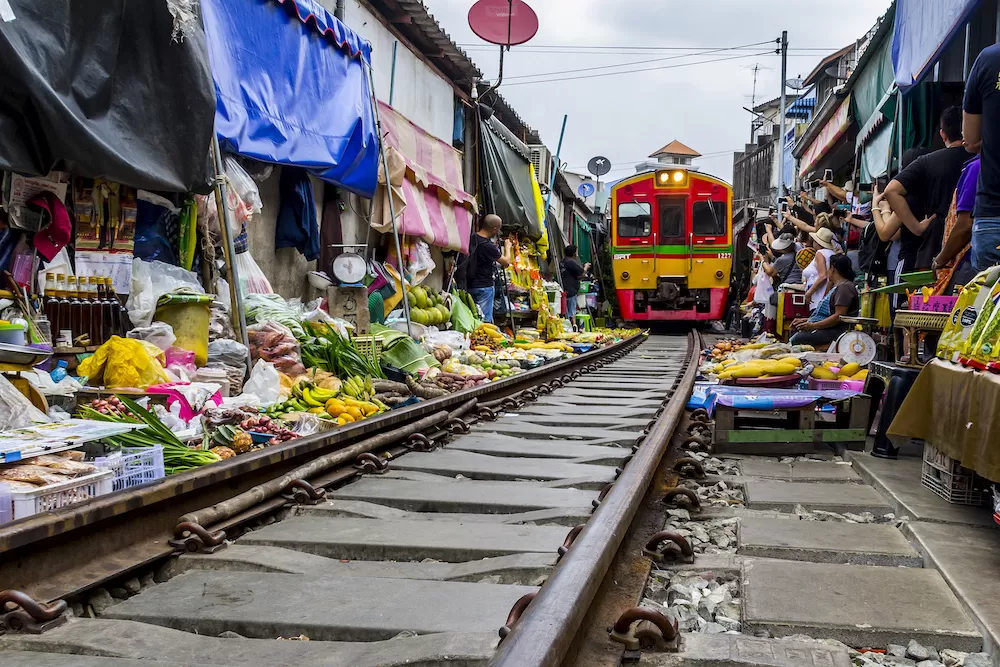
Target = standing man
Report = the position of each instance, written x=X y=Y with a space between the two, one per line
x=483 y=256
x=572 y=271
x=982 y=136
x=922 y=193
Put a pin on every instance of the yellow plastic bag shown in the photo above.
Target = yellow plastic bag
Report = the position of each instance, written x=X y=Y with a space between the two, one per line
x=125 y=362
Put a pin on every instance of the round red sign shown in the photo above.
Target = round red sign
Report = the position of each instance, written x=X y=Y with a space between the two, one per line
x=503 y=22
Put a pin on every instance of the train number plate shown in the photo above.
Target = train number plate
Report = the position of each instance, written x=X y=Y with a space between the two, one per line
x=618 y=257
x=725 y=255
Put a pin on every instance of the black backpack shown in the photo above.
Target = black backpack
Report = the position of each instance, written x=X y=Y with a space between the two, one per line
x=873 y=253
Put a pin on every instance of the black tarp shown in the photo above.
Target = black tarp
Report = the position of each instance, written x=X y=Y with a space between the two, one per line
x=100 y=88
x=507 y=180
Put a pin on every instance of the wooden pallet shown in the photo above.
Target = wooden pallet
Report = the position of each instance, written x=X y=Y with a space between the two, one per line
x=792 y=431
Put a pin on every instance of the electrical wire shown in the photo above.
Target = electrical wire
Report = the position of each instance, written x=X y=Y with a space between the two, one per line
x=629 y=64
x=568 y=48
x=637 y=71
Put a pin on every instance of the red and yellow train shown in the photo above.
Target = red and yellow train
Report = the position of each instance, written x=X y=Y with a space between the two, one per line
x=672 y=251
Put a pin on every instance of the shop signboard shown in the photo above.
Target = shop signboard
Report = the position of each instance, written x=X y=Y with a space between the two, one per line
x=827 y=137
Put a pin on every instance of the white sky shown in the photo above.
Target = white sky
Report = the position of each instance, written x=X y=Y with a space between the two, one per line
x=626 y=117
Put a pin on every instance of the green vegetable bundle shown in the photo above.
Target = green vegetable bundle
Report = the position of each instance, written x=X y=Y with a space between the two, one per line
x=329 y=351
x=177 y=456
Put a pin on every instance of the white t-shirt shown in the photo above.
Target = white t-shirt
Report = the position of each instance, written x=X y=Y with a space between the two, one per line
x=811 y=274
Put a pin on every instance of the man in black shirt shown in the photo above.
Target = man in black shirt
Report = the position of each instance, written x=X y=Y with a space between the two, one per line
x=982 y=128
x=572 y=271
x=921 y=195
x=483 y=255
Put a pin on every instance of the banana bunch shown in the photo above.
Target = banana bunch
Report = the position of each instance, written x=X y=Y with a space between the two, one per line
x=358 y=388
x=757 y=368
x=313 y=396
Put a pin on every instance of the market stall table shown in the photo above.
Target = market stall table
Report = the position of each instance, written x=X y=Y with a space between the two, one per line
x=954 y=409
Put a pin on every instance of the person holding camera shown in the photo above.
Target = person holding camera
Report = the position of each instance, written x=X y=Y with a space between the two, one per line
x=572 y=271
x=484 y=256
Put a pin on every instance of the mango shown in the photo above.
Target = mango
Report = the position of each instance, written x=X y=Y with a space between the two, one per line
x=823 y=374
x=849 y=370
x=860 y=375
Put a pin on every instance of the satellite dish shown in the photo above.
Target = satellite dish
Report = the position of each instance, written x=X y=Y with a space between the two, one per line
x=599 y=166
x=586 y=190
x=796 y=84
x=503 y=22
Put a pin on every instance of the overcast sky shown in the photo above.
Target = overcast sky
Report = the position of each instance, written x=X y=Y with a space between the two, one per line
x=626 y=117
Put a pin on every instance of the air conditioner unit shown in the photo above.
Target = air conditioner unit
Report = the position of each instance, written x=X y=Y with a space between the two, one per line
x=542 y=159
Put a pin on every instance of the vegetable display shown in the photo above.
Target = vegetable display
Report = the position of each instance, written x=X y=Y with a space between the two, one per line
x=329 y=351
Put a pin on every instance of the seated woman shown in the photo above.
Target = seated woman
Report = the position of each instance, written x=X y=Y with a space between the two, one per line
x=825 y=325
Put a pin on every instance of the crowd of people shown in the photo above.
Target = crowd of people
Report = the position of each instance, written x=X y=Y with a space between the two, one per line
x=940 y=213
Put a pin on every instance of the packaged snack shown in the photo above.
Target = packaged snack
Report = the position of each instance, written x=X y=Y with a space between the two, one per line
x=962 y=316
x=977 y=315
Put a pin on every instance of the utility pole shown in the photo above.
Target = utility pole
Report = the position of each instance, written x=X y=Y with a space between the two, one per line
x=784 y=111
x=754 y=124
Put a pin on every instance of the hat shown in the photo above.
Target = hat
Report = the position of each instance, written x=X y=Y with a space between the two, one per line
x=782 y=242
x=56 y=235
x=824 y=237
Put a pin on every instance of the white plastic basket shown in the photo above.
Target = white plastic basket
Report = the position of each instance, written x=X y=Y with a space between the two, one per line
x=947 y=478
x=133 y=466
x=56 y=496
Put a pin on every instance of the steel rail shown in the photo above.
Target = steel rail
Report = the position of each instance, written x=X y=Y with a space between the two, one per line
x=67 y=551
x=546 y=631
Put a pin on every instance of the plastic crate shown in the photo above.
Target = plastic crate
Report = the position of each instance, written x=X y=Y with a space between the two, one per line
x=364 y=345
x=63 y=494
x=133 y=466
x=950 y=480
x=836 y=385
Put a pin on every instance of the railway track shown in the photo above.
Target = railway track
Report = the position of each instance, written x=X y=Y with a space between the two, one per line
x=499 y=510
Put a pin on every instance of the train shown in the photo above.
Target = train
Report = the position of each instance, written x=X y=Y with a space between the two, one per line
x=672 y=245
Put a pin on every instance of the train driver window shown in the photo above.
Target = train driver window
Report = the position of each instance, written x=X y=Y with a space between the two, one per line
x=672 y=220
x=709 y=218
x=635 y=219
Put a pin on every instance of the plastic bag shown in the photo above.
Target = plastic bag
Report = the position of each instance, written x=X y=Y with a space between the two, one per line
x=264 y=383
x=42 y=381
x=273 y=308
x=180 y=361
x=16 y=411
x=220 y=326
x=150 y=281
x=235 y=375
x=243 y=197
x=274 y=342
x=463 y=320
x=453 y=339
x=252 y=279
x=226 y=351
x=124 y=362
x=159 y=334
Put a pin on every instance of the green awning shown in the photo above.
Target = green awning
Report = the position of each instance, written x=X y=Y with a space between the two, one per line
x=507 y=178
x=877 y=153
x=873 y=84
x=885 y=110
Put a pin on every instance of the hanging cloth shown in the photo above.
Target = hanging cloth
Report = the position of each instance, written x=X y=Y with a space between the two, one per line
x=297 y=226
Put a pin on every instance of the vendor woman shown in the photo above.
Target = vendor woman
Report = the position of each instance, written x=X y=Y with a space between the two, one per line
x=825 y=325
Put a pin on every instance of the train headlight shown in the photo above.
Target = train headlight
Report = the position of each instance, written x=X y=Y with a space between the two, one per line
x=664 y=177
x=625 y=275
x=678 y=176
x=720 y=275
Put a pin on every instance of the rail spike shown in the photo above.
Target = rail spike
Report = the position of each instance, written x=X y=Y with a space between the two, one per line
x=19 y=612
x=641 y=629
x=418 y=442
x=193 y=538
x=515 y=614
x=674 y=497
x=689 y=463
x=659 y=548
x=570 y=539
x=369 y=464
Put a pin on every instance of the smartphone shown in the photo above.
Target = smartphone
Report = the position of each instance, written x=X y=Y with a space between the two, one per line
x=828 y=175
x=866 y=187
x=784 y=207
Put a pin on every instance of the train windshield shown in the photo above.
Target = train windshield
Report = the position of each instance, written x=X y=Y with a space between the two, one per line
x=635 y=219
x=709 y=218
x=672 y=220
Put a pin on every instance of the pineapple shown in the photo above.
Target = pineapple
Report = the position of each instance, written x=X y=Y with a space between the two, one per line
x=239 y=441
x=242 y=442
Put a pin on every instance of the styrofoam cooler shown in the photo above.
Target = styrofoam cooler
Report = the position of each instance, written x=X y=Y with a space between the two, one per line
x=6 y=505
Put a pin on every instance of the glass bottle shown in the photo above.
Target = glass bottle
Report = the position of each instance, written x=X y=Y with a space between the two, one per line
x=57 y=316
x=76 y=309
x=124 y=322
x=109 y=309
x=50 y=295
x=94 y=311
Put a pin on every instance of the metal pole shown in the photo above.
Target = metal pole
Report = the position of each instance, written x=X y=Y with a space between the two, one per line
x=392 y=207
x=552 y=186
x=229 y=249
x=784 y=111
x=392 y=75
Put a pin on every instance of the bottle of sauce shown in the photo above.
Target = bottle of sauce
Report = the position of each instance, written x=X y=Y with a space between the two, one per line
x=61 y=324
x=76 y=309
x=53 y=302
x=94 y=312
x=109 y=309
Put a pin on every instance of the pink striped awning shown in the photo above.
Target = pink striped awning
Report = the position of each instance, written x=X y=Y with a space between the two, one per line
x=426 y=174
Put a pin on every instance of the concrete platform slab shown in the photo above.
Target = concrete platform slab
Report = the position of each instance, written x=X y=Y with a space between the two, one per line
x=501 y=445
x=594 y=436
x=967 y=559
x=830 y=497
x=264 y=605
x=518 y=569
x=646 y=412
x=364 y=510
x=127 y=643
x=826 y=542
x=800 y=471
x=899 y=482
x=475 y=497
x=556 y=398
x=701 y=650
x=482 y=466
x=858 y=605
x=378 y=540
x=577 y=420
x=609 y=395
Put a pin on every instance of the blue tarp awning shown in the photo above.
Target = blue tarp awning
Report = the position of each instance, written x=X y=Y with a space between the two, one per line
x=292 y=89
x=921 y=33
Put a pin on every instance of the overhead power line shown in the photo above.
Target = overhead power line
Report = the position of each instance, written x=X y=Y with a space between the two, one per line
x=575 y=48
x=637 y=71
x=630 y=64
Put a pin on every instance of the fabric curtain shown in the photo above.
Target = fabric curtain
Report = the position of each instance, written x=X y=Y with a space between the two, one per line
x=508 y=182
x=921 y=33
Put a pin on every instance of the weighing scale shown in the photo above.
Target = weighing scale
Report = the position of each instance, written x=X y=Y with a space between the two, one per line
x=349 y=270
x=856 y=346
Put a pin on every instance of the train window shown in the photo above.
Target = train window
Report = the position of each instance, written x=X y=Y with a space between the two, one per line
x=635 y=219
x=709 y=218
x=671 y=220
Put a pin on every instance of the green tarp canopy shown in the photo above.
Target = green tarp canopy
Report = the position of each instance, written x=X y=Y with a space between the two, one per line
x=507 y=180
